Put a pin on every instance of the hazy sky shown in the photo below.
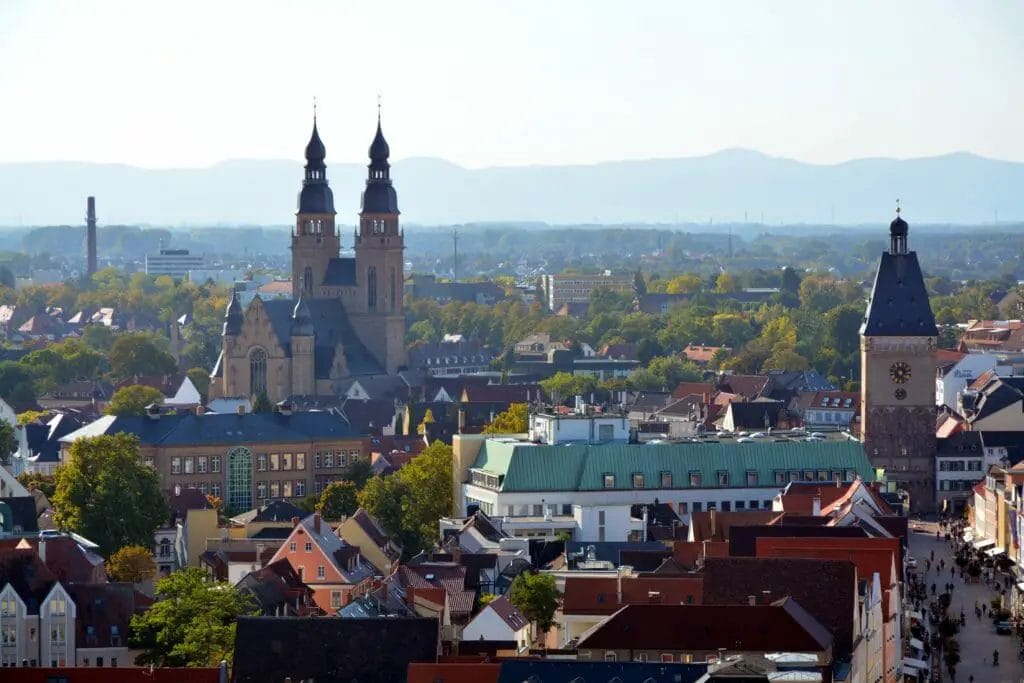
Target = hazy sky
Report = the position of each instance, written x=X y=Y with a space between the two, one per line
x=493 y=83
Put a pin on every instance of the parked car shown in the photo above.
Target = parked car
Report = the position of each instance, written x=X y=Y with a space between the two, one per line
x=911 y=563
x=1004 y=628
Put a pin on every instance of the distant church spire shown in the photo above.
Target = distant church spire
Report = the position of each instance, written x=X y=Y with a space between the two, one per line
x=379 y=195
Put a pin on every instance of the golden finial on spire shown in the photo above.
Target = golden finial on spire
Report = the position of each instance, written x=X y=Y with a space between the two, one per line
x=897 y=206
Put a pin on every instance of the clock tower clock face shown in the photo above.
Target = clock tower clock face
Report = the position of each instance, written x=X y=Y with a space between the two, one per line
x=899 y=373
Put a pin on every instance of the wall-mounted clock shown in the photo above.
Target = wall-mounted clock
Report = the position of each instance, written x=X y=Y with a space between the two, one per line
x=899 y=372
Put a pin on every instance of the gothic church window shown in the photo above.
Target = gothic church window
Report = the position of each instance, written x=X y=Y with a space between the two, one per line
x=371 y=288
x=307 y=281
x=257 y=372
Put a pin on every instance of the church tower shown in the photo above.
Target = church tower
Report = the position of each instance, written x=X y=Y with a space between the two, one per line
x=314 y=241
x=379 y=313
x=897 y=342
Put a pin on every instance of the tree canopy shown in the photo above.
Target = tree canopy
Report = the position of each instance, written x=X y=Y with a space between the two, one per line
x=133 y=399
x=191 y=624
x=515 y=420
x=409 y=502
x=536 y=596
x=133 y=564
x=140 y=354
x=104 y=493
x=339 y=499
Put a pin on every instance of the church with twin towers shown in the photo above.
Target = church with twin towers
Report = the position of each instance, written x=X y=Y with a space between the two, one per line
x=346 y=317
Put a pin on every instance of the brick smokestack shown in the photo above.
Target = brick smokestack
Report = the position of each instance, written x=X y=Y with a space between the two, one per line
x=90 y=236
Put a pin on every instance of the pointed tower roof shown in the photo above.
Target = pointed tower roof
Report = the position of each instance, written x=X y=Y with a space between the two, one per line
x=316 y=195
x=379 y=195
x=302 y=321
x=899 y=305
x=233 y=316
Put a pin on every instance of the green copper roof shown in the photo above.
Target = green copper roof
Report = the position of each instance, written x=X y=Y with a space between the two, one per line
x=581 y=467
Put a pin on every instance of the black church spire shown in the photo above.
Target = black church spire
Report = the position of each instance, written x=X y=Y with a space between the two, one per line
x=316 y=195
x=379 y=195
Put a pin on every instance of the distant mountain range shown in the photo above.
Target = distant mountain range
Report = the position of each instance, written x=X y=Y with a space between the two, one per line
x=954 y=188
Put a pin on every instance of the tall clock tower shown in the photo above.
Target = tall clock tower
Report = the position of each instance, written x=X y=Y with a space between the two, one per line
x=897 y=345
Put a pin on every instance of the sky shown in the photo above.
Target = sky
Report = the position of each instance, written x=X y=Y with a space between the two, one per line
x=186 y=84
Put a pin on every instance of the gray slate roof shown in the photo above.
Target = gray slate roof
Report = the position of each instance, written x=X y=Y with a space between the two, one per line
x=899 y=300
x=190 y=429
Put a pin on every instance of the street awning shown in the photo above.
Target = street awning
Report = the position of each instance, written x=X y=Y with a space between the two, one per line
x=910 y=671
x=916 y=644
x=992 y=552
x=982 y=543
x=914 y=663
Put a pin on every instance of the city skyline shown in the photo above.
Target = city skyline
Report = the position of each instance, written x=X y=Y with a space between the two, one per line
x=486 y=85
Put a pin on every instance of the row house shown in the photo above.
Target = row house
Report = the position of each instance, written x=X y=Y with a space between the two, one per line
x=336 y=571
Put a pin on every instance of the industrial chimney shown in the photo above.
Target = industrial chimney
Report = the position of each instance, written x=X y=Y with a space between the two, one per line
x=90 y=236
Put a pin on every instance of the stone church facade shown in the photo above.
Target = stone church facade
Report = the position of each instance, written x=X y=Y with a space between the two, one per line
x=347 y=315
x=898 y=342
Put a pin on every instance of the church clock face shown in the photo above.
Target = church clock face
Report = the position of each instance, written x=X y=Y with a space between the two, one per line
x=899 y=373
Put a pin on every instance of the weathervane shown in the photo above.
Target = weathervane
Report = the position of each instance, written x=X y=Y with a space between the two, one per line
x=897 y=206
x=314 y=109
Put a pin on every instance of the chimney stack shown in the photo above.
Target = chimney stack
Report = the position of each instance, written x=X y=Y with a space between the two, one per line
x=316 y=522
x=816 y=506
x=295 y=522
x=42 y=550
x=751 y=600
x=90 y=236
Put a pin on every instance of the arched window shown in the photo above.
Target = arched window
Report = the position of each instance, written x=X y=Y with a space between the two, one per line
x=394 y=290
x=371 y=288
x=307 y=281
x=239 y=479
x=257 y=372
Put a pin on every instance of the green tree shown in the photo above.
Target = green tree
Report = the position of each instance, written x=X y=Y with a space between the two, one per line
x=192 y=623
x=8 y=442
x=309 y=503
x=133 y=399
x=100 y=483
x=843 y=328
x=409 y=502
x=200 y=379
x=536 y=596
x=791 y=281
x=35 y=480
x=262 y=404
x=515 y=420
x=339 y=499
x=358 y=472
x=671 y=370
x=98 y=337
x=139 y=353
x=16 y=383
x=31 y=416
x=684 y=284
x=726 y=284
x=132 y=563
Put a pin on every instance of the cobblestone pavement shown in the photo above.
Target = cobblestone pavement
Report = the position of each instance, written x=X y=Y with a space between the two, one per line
x=978 y=638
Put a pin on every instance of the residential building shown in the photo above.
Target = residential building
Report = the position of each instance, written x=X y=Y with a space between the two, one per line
x=697 y=633
x=702 y=354
x=333 y=569
x=588 y=489
x=993 y=403
x=578 y=288
x=246 y=459
x=362 y=531
x=451 y=358
x=840 y=409
x=427 y=287
x=539 y=344
x=879 y=565
x=499 y=621
x=278 y=591
x=960 y=463
x=957 y=370
x=590 y=597
x=898 y=340
x=756 y=416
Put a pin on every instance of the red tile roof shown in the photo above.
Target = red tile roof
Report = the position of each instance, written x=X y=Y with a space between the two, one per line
x=599 y=595
x=702 y=389
x=780 y=627
x=428 y=672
